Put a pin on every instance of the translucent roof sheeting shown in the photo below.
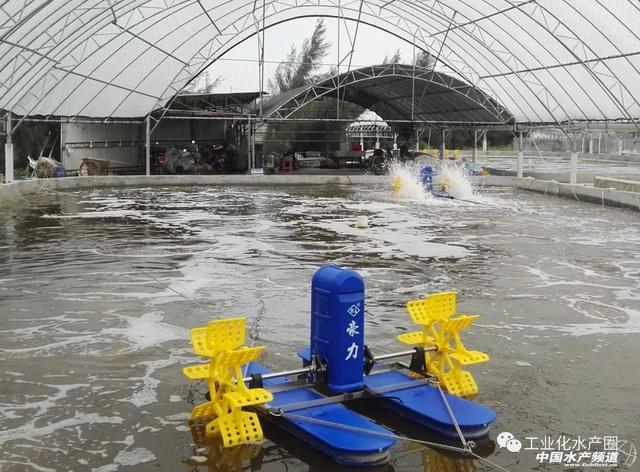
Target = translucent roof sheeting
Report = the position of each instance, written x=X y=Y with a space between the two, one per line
x=543 y=60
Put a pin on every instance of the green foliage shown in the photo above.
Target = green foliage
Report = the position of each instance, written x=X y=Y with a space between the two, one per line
x=463 y=139
x=204 y=84
x=396 y=58
x=425 y=60
x=321 y=136
x=299 y=67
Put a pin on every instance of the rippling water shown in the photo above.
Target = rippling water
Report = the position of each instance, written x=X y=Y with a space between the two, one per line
x=99 y=289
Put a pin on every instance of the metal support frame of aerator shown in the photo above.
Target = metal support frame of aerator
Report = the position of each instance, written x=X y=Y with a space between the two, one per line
x=317 y=370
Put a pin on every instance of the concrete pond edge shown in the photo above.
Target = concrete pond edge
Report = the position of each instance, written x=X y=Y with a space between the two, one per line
x=24 y=189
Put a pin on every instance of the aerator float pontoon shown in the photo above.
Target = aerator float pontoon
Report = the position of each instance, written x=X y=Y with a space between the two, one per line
x=339 y=367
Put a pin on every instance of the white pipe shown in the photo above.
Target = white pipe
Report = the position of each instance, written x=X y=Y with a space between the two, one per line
x=620 y=146
x=600 y=143
x=147 y=146
x=573 y=176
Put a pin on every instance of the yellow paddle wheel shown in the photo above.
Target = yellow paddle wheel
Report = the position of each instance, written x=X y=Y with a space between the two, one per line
x=441 y=328
x=222 y=342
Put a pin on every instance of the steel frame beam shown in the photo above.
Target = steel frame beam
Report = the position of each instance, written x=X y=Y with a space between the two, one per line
x=35 y=67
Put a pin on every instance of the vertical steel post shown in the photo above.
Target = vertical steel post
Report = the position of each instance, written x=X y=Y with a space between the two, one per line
x=444 y=146
x=338 y=65
x=620 y=145
x=484 y=141
x=8 y=152
x=475 y=146
x=413 y=85
x=63 y=150
x=521 y=156
x=147 y=145
x=573 y=174
x=261 y=64
x=252 y=127
x=600 y=143
x=249 y=147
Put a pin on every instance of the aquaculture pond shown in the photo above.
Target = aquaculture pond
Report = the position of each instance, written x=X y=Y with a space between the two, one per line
x=99 y=289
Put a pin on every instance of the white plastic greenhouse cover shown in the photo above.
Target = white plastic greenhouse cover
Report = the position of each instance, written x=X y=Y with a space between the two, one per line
x=544 y=60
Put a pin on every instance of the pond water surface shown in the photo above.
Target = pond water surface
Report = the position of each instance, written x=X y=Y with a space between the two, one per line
x=100 y=288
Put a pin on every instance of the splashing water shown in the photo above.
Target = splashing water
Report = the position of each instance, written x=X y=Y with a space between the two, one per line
x=456 y=180
x=405 y=179
x=407 y=185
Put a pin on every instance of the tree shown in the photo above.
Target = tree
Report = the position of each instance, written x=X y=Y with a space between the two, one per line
x=425 y=60
x=203 y=84
x=299 y=67
x=396 y=58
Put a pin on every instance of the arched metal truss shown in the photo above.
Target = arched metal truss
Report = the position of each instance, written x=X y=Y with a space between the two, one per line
x=397 y=92
x=546 y=61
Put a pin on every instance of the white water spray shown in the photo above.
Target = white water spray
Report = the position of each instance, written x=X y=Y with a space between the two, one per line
x=450 y=177
x=405 y=181
x=456 y=181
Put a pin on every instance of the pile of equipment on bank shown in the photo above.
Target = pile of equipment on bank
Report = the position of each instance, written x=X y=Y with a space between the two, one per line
x=339 y=367
x=45 y=166
x=212 y=159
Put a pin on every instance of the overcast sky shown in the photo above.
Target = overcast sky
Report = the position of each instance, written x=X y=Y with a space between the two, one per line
x=240 y=73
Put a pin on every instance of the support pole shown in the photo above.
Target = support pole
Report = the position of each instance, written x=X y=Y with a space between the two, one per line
x=521 y=156
x=484 y=141
x=253 y=147
x=600 y=143
x=8 y=152
x=338 y=67
x=417 y=139
x=573 y=174
x=475 y=146
x=250 y=147
x=443 y=146
x=620 y=146
x=147 y=145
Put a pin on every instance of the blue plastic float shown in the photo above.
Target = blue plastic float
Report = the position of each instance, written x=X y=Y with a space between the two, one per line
x=338 y=368
x=344 y=446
